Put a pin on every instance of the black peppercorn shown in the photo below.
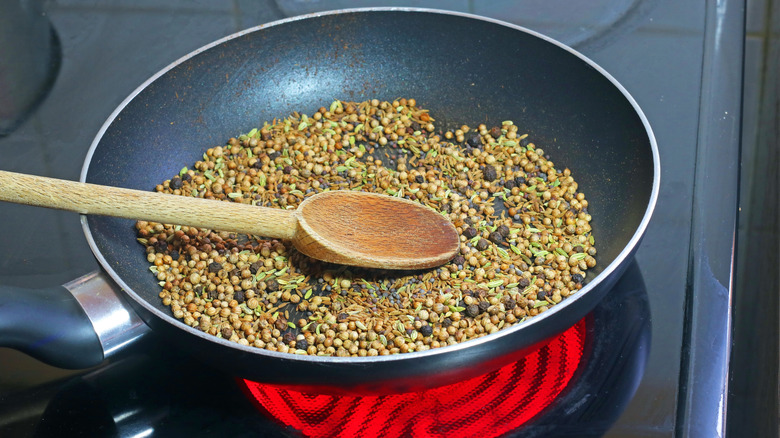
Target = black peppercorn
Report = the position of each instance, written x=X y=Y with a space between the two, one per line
x=472 y=310
x=489 y=173
x=495 y=132
x=215 y=267
x=272 y=285
x=470 y=233
x=474 y=141
x=577 y=278
x=459 y=260
x=426 y=330
x=161 y=246
x=482 y=245
x=175 y=183
x=523 y=282
x=301 y=344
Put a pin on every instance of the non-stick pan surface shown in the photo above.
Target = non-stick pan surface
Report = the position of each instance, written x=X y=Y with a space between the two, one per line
x=464 y=69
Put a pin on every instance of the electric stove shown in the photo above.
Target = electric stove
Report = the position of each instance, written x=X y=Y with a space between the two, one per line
x=652 y=360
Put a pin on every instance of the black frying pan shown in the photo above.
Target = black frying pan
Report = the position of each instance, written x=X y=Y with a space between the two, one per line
x=465 y=69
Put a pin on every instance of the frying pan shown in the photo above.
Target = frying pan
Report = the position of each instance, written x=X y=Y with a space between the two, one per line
x=465 y=69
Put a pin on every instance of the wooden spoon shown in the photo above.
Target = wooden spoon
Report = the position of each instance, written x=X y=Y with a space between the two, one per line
x=346 y=227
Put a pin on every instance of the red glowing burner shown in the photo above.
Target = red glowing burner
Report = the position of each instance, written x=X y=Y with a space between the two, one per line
x=486 y=406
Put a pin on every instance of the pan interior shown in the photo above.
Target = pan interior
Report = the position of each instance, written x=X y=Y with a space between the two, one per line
x=462 y=69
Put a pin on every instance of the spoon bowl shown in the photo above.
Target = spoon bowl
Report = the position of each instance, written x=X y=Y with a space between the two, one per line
x=375 y=231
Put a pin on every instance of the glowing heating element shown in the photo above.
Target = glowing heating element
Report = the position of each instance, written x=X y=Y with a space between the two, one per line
x=486 y=406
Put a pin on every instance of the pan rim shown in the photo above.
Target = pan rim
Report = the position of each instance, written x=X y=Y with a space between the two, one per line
x=625 y=253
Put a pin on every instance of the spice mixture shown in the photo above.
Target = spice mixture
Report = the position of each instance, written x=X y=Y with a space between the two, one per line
x=526 y=241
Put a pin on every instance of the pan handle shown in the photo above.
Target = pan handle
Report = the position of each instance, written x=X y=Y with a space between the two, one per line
x=74 y=326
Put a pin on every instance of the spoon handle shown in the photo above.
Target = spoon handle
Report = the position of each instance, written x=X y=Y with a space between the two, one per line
x=151 y=206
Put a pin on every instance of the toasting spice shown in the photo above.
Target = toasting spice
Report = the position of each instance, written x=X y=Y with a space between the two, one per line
x=526 y=241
